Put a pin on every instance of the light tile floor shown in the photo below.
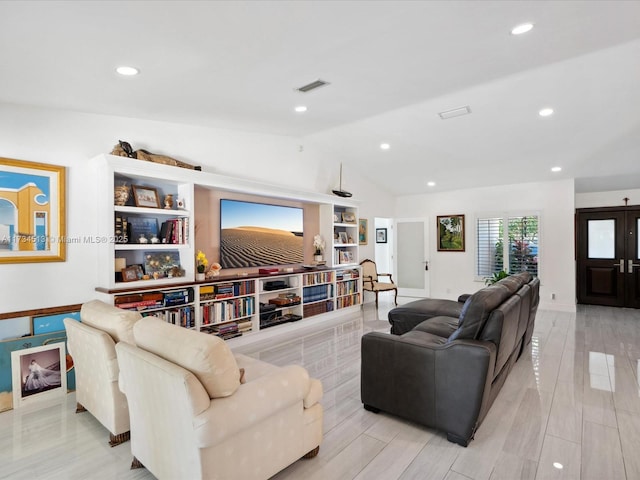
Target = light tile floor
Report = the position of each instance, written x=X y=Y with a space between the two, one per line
x=569 y=409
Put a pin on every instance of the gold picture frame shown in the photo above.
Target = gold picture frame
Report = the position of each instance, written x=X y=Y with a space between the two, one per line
x=38 y=234
x=363 y=231
x=145 y=196
x=450 y=233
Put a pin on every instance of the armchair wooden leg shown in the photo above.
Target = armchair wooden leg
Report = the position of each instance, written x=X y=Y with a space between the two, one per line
x=395 y=298
x=312 y=453
x=376 y=299
x=136 y=464
x=118 y=439
x=80 y=408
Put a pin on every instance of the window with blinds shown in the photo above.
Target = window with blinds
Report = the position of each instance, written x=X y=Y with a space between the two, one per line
x=507 y=243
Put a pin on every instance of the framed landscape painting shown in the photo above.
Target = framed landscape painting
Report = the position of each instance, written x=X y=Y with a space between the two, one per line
x=32 y=212
x=451 y=233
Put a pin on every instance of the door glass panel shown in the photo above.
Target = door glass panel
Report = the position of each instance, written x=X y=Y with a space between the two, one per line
x=411 y=255
x=601 y=238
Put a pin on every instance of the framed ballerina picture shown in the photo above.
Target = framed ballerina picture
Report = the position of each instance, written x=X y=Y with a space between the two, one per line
x=39 y=373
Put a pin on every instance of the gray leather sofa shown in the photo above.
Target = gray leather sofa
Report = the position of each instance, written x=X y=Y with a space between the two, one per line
x=445 y=372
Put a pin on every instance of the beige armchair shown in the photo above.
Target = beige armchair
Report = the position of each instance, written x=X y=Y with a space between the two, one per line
x=91 y=343
x=192 y=417
x=371 y=283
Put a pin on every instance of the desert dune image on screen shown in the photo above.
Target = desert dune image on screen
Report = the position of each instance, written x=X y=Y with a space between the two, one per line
x=258 y=234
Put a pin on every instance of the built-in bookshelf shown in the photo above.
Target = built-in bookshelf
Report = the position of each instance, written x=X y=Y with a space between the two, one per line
x=231 y=307
x=145 y=223
x=340 y=226
x=146 y=246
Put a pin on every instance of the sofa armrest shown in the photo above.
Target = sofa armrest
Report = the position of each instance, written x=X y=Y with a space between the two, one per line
x=421 y=377
x=405 y=317
x=464 y=297
x=252 y=403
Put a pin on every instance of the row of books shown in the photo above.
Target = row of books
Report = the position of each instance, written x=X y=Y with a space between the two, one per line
x=348 y=287
x=317 y=308
x=226 y=290
x=347 y=274
x=315 y=293
x=175 y=231
x=227 y=310
x=348 y=301
x=183 y=317
x=153 y=300
x=318 y=277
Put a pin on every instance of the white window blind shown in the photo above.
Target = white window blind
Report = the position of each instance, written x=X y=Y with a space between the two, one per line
x=508 y=243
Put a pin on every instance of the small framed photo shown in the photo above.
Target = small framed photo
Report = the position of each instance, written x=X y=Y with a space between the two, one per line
x=38 y=373
x=343 y=237
x=145 y=197
x=348 y=217
x=130 y=274
x=381 y=235
x=336 y=218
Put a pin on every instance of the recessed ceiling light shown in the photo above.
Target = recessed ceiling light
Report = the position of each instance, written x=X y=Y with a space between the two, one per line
x=127 y=71
x=385 y=146
x=431 y=184
x=558 y=465
x=556 y=169
x=545 y=112
x=520 y=29
x=301 y=109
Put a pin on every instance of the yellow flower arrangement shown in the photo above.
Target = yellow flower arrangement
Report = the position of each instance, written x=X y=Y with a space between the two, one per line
x=201 y=262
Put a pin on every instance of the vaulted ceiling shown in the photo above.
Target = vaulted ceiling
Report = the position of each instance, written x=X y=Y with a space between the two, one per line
x=392 y=67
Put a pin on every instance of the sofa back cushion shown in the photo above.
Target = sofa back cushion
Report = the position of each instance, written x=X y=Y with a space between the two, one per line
x=476 y=310
x=118 y=323
x=208 y=357
x=501 y=328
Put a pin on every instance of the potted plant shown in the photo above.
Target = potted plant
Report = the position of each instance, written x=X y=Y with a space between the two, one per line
x=496 y=277
x=201 y=265
x=318 y=245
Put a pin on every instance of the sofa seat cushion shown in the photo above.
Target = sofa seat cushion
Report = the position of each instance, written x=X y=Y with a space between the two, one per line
x=208 y=357
x=405 y=317
x=118 y=323
x=423 y=338
x=441 y=326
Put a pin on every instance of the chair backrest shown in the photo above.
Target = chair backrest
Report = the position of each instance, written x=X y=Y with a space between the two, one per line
x=369 y=270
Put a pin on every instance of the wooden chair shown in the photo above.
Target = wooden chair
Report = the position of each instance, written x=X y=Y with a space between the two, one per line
x=370 y=280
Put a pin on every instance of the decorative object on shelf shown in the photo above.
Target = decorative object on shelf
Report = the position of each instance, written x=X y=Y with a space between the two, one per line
x=340 y=192
x=124 y=149
x=161 y=262
x=450 y=233
x=168 y=201
x=145 y=196
x=200 y=277
x=214 y=270
x=180 y=204
x=155 y=239
x=318 y=245
x=363 y=231
x=343 y=237
x=121 y=193
x=201 y=264
x=130 y=274
x=381 y=235
x=142 y=228
x=348 y=217
x=33 y=218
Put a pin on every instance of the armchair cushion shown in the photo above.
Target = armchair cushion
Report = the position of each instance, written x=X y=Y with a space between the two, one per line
x=208 y=357
x=118 y=323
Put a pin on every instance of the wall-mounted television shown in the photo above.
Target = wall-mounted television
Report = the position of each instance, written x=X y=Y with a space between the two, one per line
x=258 y=234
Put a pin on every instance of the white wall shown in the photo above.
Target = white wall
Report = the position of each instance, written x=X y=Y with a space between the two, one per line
x=70 y=139
x=453 y=273
x=607 y=199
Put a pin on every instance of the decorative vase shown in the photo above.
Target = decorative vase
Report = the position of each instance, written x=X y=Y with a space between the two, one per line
x=168 y=201
x=318 y=258
x=120 y=194
x=199 y=277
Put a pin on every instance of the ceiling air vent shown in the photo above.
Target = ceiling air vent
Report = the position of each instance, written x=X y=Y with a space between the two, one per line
x=312 y=86
x=456 y=112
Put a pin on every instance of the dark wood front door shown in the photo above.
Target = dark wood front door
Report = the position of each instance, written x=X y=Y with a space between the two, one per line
x=608 y=263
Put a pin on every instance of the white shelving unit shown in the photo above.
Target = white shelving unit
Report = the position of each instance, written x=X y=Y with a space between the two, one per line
x=339 y=226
